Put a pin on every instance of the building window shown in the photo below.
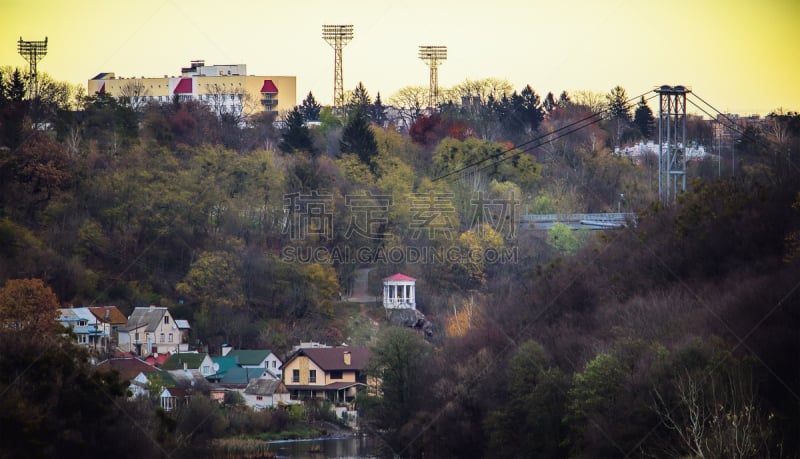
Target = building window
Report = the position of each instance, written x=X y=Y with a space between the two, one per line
x=312 y=376
x=170 y=337
x=162 y=337
x=295 y=376
x=258 y=397
x=206 y=369
x=336 y=375
x=166 y=319
x=136 y=336
x=274 y=364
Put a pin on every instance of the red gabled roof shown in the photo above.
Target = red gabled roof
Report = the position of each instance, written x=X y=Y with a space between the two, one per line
x=399 y=277
x=102 y=88
x=184 y=86
x=269 y=87
x=128 y=368
x=158 y=361
x=115 y=316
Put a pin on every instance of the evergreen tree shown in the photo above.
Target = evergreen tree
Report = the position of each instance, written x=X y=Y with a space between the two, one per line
x=618 y=105
x=310 y=108
x=360 y=100
x=357 y=138
x=16 y=88
x=378 y=115
x=297 y=136
x=643 y=119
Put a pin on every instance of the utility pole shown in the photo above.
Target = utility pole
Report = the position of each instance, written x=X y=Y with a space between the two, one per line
x=338 y=36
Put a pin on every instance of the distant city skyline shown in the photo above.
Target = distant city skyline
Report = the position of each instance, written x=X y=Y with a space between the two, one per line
x=739 y=55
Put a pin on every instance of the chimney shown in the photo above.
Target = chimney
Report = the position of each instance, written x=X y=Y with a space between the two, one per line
x=185 y=367
x=347 y=358
x=152 y=307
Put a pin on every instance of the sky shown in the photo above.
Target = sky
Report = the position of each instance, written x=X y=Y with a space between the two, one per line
x=740 y=56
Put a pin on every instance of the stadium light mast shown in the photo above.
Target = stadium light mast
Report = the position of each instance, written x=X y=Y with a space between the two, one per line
x=33 y=52
x=433 y=55
x=338 y=36
x=671 y=142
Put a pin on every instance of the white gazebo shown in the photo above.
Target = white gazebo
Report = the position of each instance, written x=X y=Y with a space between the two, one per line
x=399 y=291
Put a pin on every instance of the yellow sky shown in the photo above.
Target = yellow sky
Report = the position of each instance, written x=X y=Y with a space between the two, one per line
x=741 y=56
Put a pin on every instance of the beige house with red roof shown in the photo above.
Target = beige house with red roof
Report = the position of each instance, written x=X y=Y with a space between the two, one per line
x=224 y=88
x=334 y=373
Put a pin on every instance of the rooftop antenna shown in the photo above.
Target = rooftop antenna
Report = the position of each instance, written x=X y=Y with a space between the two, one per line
x=433 y=55
x=671 y=142
x=337 y=36
x=33 y=52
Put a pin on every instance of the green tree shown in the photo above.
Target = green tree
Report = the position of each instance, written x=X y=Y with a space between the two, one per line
x=378 y=111
x=310 y=108
x=360 y=100
x=562 y=238
x=529 y=423
x=400 y=361
x=643 y=119
x=297 y=136
x=357 y=138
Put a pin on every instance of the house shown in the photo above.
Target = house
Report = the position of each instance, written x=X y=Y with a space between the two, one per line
x=173 y=397
x=144 y=382
x=110 y=318
x=153 y=330
x=399 y=292
x=190 y=361
x=86 y=327
x=256 y=358
x=127 y=367
x=335 y=373
x=262 y=393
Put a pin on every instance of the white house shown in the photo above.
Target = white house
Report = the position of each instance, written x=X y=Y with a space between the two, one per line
x=153 y=330
x=264 y=393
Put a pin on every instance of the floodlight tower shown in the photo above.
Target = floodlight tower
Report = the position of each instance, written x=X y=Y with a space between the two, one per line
x=671 y=142
x=33 y=52
x=337 y=36
x=433 y=56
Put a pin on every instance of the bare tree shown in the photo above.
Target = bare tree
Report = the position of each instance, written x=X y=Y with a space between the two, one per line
x=134 y=92
x=410 y=102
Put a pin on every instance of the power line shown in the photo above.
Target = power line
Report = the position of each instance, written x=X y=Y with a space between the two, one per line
x=596 y=115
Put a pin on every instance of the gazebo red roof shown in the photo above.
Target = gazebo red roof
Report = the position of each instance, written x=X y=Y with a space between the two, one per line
x=183 y=87
x=269 y=87
x=399 y=277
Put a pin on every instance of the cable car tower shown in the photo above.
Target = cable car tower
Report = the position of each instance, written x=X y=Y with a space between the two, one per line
x=433 y=56
x=33 y=52
x=671 y=142
x=338 y=36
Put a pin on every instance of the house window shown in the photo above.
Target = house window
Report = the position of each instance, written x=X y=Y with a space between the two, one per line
x=162 y=337
x=166 y=319
x=258 y=397
x=295 y=375
x=274 y=364
x=312 y=376
x=136 y=336
x=170 y=337
x=206 y=369
x=336 y=375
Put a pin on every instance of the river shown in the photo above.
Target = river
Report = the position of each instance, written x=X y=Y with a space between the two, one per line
x=330 y=448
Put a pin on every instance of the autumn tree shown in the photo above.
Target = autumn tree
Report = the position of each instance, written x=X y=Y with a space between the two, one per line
x=29 y=305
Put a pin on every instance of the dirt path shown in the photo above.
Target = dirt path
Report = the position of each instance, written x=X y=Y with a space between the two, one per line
x=360 y=287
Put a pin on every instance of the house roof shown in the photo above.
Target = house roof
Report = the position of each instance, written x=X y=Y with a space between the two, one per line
x=399 y=277
x=332 y=358
x=331 y=386
x=269 y=87
x=249 y=356
x=182 y=324
x=241 y=375
x=189 y=379
x=148 y=317
x=183 y=87
x=156 y=360
x=128 y=368
x=265 y=387
x=191 y=359
x=115 y=316
x=225 y=364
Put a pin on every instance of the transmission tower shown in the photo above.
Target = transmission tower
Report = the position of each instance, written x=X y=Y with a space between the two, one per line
x=337 y=36
x=433 y=56
x=671 y=142
x=33 y=52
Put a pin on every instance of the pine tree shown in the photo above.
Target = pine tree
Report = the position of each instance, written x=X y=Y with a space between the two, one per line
x=16 y=88
x=643 y=119
x=297 y=136
x=360 y=100
x=310 y=108
x=357 y=138
x=378 y=115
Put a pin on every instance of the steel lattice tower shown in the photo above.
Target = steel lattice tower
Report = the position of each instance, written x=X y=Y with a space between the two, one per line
x=33 y=52
x=671 y=142
x=433 y=56
x=337 y=36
